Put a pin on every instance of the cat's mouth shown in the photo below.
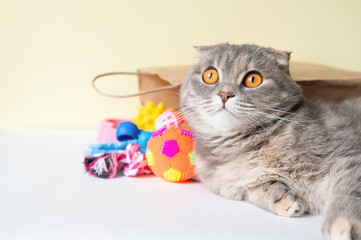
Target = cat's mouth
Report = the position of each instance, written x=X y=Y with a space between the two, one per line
x=225 y=110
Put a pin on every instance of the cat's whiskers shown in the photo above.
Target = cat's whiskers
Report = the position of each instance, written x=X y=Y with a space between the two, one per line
x=247 y=111
x=186 y=114
x=188 y=111
x=255 y=115
x=299 y=123
x=245 y=103
x=291 y=113
x=254 y=118
x=275 y=116
x=240 y=106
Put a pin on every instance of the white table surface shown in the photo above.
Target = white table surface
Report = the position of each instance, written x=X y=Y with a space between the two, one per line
x=46 y=194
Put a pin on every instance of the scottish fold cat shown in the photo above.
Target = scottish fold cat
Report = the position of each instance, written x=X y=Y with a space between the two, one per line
x=259 y=140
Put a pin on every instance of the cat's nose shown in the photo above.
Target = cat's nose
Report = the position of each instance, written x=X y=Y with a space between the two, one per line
x=225 y=96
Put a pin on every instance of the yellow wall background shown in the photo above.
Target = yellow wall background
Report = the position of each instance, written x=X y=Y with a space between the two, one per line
x=50 y=50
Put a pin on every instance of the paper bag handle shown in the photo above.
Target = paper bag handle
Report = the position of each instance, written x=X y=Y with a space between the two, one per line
x=133 y=94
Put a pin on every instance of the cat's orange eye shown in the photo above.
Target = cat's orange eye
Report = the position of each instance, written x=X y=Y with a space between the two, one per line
x=210 y=76
x=253 y=80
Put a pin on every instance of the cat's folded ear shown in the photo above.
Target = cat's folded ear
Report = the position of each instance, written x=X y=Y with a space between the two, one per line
x=282 y=58
x=202 y=48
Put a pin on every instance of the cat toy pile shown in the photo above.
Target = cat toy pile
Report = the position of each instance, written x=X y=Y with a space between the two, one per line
x=156 y=141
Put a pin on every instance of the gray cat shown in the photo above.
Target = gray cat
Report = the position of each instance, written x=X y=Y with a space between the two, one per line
x=258 y=139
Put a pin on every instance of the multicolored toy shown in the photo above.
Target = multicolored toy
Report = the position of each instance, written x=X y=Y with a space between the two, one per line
x=128 y=131
x=170 y=154
x=131 y=161
x=147 y=115
x=169 y=118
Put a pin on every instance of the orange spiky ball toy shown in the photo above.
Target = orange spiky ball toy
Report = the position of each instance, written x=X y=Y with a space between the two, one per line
x=170 y=154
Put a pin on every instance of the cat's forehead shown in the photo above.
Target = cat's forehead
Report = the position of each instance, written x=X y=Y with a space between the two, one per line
x=236 y=57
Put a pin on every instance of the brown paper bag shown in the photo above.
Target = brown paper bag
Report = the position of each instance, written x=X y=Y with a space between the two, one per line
x=315 y=81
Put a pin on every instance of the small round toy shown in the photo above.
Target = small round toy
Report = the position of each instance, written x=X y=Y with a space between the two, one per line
x=169 y=118
x=170 y=154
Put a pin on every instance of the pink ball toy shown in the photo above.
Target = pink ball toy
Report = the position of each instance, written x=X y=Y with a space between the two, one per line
x=169 y=118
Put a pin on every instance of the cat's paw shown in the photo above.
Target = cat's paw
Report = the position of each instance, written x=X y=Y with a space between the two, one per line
x=341 y=228
x=289 y=206
x=338 y=229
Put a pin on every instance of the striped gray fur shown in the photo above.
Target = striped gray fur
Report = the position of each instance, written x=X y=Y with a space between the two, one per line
x=271 y=146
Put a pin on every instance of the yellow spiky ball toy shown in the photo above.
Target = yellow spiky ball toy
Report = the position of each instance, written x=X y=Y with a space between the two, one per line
x=147 y=114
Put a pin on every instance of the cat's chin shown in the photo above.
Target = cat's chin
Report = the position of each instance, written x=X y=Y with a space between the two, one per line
x=225 y=121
